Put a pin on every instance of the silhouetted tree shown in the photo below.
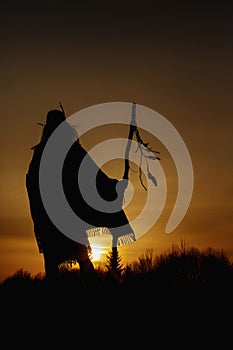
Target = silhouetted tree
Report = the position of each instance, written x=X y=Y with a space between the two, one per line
x=146 y=262
x=114 y=261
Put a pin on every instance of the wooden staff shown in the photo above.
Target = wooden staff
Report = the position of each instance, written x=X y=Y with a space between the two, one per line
x=146 y=151
x=132 y=129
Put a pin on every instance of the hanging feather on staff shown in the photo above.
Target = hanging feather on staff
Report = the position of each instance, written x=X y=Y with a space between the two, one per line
x=146 y=152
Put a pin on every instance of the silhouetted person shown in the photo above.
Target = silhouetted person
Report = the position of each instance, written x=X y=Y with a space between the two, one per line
x=56 y=246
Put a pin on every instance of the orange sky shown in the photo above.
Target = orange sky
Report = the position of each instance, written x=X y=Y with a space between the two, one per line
x=176 y=59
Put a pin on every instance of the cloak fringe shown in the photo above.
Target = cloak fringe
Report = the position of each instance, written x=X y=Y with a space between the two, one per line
x=121 y=240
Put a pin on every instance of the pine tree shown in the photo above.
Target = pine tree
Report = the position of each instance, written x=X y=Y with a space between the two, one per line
x=114 y=261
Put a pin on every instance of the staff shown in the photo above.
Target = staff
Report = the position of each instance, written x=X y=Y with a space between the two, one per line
x=142 y=146
x=132 y=129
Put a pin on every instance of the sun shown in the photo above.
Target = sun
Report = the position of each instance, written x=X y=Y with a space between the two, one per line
x=96 y=252
x=100 y=247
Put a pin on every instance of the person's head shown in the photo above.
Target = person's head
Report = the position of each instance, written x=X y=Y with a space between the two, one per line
x=53 y=119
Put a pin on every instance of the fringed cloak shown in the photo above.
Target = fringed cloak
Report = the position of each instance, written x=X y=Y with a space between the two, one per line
x=52 y=241
x=109 y=189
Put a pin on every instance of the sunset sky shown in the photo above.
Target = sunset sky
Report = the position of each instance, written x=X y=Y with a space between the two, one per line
x=173 y=57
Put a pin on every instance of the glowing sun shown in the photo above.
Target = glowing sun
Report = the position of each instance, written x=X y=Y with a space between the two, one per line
x=96 y=252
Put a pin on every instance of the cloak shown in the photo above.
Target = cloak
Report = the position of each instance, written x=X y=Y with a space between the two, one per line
x=49 y=238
